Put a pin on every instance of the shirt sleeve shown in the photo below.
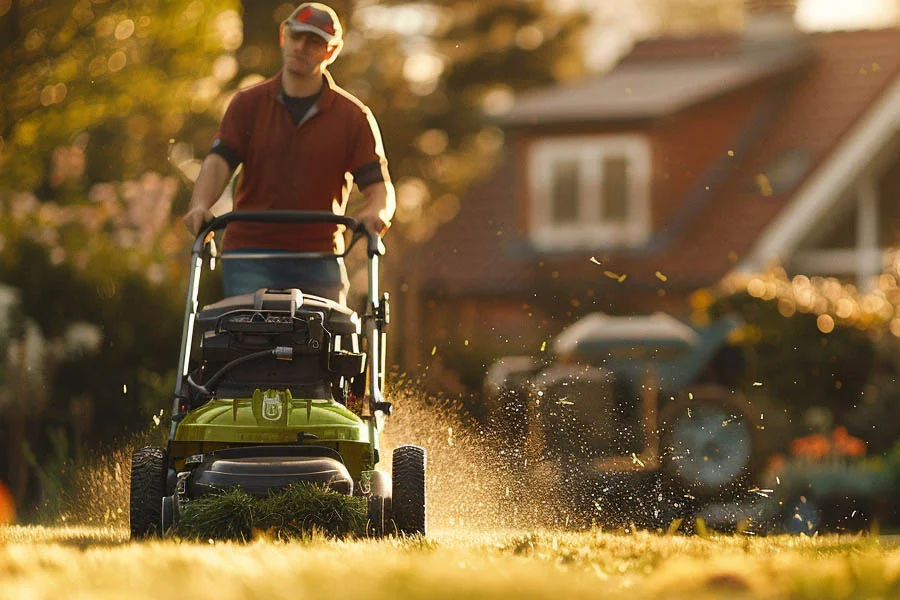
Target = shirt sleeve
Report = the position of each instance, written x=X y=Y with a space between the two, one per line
x=367 y=163
x=232 y=139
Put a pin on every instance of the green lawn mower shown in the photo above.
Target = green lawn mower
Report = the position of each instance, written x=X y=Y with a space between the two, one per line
x=274 y=388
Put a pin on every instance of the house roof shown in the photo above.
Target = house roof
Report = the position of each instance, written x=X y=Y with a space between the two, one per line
x=480 y=251
x=651 y=88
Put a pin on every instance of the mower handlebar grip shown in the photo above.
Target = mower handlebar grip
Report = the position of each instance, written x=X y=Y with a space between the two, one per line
x=374 y=246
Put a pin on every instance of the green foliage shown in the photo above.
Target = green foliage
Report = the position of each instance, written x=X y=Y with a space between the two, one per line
x=798 y=366
x=50 y=471
x=295 y=512
x=95 y=95
x=120 y=79
x=67 y=271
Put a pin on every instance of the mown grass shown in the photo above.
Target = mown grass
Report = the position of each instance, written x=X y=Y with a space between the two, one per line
x=101 y=564
x=286 y=514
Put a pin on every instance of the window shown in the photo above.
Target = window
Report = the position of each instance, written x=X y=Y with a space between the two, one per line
x=590 y=192
x=786 y=170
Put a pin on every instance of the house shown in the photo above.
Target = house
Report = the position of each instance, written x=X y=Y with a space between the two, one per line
x=691 y=159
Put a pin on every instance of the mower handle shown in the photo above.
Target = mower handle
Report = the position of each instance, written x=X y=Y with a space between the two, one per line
x=376 y=319
x=375 y=245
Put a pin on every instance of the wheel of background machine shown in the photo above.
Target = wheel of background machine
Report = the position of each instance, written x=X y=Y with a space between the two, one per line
x=801 y=516
x=148 y=483
x=379 y=504
x=408 y=502
x=710 y=443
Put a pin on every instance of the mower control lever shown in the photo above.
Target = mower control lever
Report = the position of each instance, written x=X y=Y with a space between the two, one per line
x=385 y=407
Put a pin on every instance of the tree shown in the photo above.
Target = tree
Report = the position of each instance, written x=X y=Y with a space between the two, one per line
x=119 y=79
x=95 y=95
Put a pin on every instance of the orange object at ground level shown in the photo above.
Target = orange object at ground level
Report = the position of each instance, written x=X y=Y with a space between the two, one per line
x=7 y=506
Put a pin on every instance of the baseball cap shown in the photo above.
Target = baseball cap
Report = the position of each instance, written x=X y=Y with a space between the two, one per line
x=316 y=18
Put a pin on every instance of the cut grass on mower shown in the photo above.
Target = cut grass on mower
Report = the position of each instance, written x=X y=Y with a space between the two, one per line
x=292 y=513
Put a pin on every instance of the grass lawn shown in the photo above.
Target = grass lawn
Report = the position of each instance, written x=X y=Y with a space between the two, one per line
x=99 y=563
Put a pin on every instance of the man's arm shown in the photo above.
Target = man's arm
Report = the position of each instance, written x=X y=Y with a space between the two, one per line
x=379 y=206
x=214 y=176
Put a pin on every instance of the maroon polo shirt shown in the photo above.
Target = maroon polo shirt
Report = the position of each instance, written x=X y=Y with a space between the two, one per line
x=306 y=166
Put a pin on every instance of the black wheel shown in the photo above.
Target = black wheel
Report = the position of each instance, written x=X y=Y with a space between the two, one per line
x=379 y=503
x=801 y=516
x=711 y=445
x=148 y=484
x=408 y=503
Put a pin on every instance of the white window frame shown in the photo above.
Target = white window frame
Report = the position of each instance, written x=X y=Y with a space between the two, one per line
x=589 y=230
x=863 y=261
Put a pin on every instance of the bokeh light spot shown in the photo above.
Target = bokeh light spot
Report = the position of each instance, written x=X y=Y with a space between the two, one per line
x=433 y=141
x=825 y=323
x=498 y=101
x=124 y=30
x=116 y=62
x=105 y=27
x=225 y=68
x=529 y=37
x=230 y=28
x=34 y=40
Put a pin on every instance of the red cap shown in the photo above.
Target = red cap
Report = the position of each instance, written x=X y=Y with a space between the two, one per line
x=316 y=18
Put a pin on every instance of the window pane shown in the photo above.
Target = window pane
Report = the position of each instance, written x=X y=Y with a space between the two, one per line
x=615 y=188
x=565 y=190
x=840 y=233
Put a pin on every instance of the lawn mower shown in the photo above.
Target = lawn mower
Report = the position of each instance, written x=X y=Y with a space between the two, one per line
x=637 y=417
x=275 y=388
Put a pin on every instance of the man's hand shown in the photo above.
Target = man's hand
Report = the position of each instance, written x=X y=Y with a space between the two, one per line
x=373 y=222
x=214 y=175
x=195 y=218
x=379 y=206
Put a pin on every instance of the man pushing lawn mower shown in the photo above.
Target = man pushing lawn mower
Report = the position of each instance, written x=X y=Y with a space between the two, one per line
x=269 y=378
x=297 y=136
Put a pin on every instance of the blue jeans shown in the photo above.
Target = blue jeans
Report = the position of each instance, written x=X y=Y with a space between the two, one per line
x=326 y=277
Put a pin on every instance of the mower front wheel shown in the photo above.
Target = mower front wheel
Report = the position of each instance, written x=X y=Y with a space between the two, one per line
x=148 y=485
x=408 y=502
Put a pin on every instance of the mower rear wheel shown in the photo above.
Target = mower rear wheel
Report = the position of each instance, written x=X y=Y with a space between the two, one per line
x=148 y=486
x=379 y=504
x=408 y=502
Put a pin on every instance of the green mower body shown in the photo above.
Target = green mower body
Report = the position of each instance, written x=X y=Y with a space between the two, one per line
x=275 y=417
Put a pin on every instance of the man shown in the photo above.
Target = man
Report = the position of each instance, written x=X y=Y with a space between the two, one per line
x=302 y=141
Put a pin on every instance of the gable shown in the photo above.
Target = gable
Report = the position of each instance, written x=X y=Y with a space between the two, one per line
x=844 y=186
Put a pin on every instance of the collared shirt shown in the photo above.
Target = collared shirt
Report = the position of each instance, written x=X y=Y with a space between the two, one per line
x=310 y=165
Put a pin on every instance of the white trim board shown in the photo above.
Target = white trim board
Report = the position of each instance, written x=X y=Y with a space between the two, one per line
x=818 y=195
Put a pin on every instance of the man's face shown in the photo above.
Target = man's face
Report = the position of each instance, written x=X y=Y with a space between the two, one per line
x=304 y=53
